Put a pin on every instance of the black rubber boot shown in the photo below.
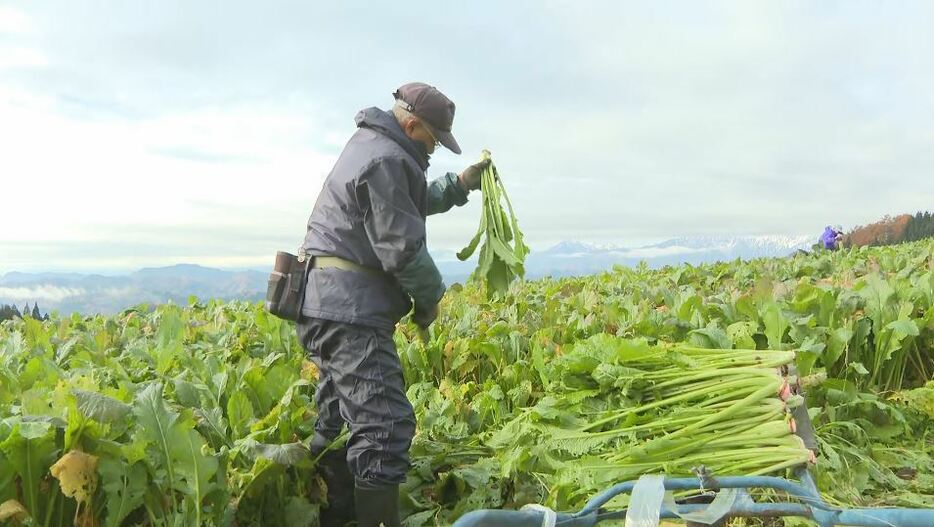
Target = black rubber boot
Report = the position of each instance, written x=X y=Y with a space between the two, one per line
x=378 y=506
x=336 y=474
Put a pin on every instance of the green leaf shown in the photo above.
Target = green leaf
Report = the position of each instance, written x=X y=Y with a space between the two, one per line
x=836 y=344
x=239 y=413
x=710 y=337
x=805 y=361
x=188 y=394
x=919 y=399
x=420 y=518
x=100 y=407
x=288 y=454
x=267 y=385
x=879 y=296
x=300 y=512
x=176 y=449
x=498 y=278
x=195 y=469
x=157 y=425
x=124 y=486
x=7 y=479
x=212 y=425
x=902 y=328
x=30 y=450
x=169 y=339
x=775 y=325
x=504 y=253
x=840 y=391
x=467 y=251
x=691 y=306
x=740 y=333
x=263 y=473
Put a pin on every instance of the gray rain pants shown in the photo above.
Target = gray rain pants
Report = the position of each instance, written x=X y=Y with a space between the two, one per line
x=361 y=384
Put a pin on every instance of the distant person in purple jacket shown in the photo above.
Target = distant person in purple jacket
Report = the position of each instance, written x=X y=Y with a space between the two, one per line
x=831 y=237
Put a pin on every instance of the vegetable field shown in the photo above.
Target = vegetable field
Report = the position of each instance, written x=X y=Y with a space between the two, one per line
x=199 y=415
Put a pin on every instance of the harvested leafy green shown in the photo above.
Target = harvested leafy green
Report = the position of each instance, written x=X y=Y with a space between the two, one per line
x=502 y=256
x=636 y=409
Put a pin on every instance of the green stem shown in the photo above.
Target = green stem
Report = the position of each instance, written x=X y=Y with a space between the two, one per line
x=680 y=398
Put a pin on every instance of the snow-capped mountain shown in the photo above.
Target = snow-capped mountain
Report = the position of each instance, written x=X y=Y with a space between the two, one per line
x=573 y=248
x=740 y=245
x=743 y=246
x=576 y=258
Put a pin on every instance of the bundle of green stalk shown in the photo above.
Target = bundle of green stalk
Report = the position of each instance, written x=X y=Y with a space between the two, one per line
x=502 y=256
x=624 y=409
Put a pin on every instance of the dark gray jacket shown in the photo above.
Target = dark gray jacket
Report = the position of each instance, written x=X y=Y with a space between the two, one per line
x=372 y=211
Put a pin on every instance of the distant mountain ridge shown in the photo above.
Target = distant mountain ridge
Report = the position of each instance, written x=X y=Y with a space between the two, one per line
x=583 y=258
x=768 y=245
x=95 y=293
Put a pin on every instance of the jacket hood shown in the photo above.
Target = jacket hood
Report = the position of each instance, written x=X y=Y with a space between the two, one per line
x=385 y=123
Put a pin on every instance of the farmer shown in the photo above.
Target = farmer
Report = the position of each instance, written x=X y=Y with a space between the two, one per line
x=370 y=264
x=831 y=237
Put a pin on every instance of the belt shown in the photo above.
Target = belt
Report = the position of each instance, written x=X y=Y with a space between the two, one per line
x=334 y=262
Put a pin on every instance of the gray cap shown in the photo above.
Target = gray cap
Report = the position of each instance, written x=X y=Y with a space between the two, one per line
x=434 y=109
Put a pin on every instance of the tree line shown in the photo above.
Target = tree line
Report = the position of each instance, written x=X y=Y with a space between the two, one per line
x=8 y=312
x=892 y=229
x=921 y=226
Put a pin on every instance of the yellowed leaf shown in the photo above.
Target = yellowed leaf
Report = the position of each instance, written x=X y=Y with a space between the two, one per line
x=77 y=474
x=310 y=371
x=12 y=510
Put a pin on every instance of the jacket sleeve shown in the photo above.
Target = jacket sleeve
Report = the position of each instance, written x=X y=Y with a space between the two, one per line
x=396 y=229
x=444 y=193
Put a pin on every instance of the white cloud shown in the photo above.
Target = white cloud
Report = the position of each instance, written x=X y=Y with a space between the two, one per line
x=141 y=129
x=40 y=292
x=119 y=292
x=655 y=252
x=229 y=166
x=14 y=21
x=18 y=57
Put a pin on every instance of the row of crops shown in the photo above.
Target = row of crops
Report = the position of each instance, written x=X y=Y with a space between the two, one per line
x=200 y=415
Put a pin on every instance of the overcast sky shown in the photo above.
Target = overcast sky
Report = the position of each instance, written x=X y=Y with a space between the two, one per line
x=140 y=133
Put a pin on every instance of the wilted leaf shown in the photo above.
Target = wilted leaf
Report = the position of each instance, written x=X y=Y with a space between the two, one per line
x=12 y=510
x=921 y=399
x=76 y=472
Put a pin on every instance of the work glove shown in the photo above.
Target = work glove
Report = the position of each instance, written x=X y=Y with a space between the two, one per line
x=471 y=176
x=423 y=317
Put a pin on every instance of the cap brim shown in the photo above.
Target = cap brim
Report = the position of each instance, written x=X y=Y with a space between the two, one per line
x=445 y=138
